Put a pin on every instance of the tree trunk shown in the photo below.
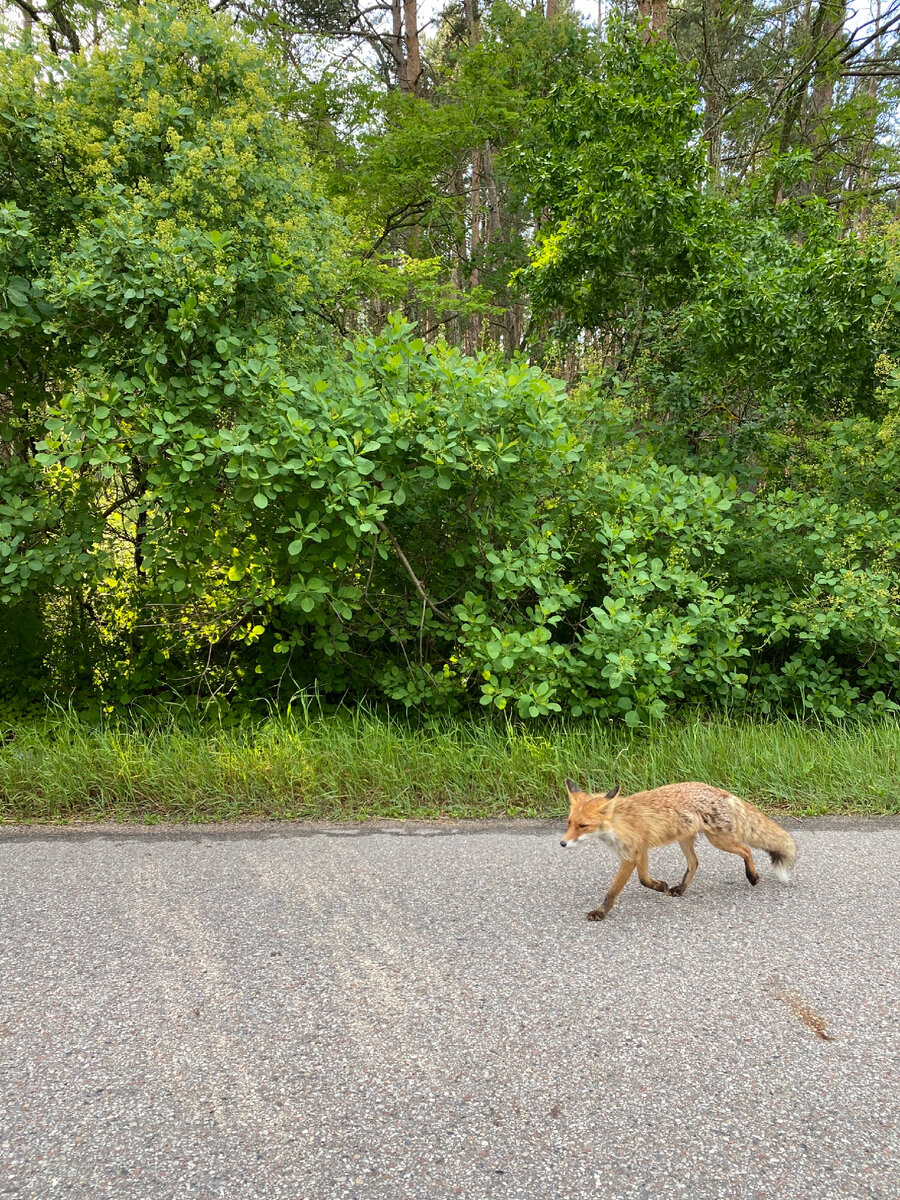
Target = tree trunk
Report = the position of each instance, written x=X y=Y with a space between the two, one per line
x=413 y=56
x=826 y=32
x=826 y=24
x=713 y=89
x=456 y=328
x=475 y=240
x=492 y=199
x=645 y=16
x=822 y=97
x=654 y=16
x=395 y=45
x=870 y=87
x=660 y=18
x=472 y=19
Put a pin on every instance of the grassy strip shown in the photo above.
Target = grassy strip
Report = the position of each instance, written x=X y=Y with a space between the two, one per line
x=353 y=767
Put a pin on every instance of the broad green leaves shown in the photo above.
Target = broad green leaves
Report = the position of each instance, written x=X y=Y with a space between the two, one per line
x=614 y=164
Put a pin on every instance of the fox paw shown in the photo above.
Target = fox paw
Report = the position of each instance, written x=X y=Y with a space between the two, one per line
x=597 y=914
x=677 y=890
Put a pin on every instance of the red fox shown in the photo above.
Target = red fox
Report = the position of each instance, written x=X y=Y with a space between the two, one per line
x=632 y=825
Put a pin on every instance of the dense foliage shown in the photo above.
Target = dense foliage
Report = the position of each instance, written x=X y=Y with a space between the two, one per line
x=228 y=468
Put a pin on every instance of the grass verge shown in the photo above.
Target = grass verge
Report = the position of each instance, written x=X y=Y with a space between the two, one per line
x=360 y=766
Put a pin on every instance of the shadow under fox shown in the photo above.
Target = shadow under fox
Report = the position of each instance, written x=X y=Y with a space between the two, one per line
x=632 y=825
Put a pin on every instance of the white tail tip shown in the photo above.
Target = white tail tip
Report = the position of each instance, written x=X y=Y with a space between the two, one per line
x=783 y=874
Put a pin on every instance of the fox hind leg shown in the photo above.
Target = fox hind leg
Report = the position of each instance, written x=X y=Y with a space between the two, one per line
x=730 y=844
x=643 y=870
x=622 y=876
x=687 y=849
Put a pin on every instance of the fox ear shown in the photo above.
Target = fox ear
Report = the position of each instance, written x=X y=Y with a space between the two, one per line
x=613 y=792
x=572 y=786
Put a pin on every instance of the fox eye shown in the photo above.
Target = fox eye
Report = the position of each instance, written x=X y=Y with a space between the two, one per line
x=582 y=826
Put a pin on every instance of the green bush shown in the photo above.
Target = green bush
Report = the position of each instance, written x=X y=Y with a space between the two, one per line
x=205 y=492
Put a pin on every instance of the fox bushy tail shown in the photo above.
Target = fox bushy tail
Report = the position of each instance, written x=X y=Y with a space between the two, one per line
x=761 y=832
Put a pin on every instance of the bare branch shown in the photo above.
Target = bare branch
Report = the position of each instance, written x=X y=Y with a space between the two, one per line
x=411 y=573
x=28 y=10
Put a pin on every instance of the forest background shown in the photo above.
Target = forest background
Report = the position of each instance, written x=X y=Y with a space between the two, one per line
x=436 y=361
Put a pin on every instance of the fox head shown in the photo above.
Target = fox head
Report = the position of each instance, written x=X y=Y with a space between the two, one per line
x=589 y=814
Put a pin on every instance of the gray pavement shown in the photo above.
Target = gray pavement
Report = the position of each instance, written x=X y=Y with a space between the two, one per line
x=289 y=1013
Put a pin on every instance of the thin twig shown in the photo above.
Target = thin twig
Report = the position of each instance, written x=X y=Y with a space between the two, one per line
x=411 y=573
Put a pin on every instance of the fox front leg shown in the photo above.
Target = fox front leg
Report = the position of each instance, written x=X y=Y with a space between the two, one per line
x=622 y=876
x=647 y=880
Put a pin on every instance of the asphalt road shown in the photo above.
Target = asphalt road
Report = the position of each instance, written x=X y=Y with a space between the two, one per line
x=295 y=1013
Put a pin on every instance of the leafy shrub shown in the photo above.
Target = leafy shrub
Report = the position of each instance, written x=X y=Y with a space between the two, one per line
x=203 y=492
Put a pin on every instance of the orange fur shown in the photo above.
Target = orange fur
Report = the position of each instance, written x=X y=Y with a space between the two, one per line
x=632 y=825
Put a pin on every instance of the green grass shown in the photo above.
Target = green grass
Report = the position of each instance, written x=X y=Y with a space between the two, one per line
x=355 y=767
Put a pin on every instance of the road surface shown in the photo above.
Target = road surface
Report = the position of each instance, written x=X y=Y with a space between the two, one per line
x=305 y=1013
